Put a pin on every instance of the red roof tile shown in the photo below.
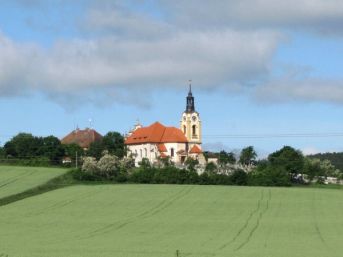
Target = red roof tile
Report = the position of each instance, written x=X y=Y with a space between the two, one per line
x=83 y=138
x=156 y=133
x=195 y=150
x=162 y=148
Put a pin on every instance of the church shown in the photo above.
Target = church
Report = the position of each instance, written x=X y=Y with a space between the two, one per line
x=159 y=141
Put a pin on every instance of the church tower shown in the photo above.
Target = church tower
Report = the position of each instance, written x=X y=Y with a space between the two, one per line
x=190 y=122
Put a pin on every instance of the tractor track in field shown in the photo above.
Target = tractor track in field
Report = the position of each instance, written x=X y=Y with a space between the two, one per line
x=258 y=213
x=246 y=223
x=253 y=230
x=316 y=226
x=62 y=204
x=164 y=204
x=273 y=225
x=16 y=178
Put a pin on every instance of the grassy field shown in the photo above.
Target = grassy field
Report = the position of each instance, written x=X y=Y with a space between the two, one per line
x=158 y=220
x=15 y=179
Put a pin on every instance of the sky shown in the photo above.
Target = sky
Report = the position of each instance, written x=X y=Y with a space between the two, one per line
x=264 y=73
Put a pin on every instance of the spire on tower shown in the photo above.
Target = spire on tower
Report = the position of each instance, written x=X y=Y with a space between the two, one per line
x=190 y=87
x=190 y=100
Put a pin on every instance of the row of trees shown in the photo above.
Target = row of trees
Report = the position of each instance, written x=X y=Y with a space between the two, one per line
x=27 y=149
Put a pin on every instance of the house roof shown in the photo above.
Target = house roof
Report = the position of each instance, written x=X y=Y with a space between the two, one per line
x=156 y=133
x=83 y=138
x=162 y=148
x=195 y=150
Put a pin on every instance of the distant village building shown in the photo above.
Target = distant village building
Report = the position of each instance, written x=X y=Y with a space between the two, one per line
x=83 y=138
x=158 y=141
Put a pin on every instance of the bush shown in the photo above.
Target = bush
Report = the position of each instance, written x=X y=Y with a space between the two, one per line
x=239 y=177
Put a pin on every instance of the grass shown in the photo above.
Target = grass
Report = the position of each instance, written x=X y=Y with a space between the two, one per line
x=166 y=220
x=45 y=212
x=14 y=179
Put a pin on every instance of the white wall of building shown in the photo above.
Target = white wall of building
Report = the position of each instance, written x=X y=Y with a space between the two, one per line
x=151 y=152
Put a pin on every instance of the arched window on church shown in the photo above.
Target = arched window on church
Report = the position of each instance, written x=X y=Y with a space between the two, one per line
x=146 y=152
x=184 y=129
x=172 y=152
x=194 y=130
x=140 y=150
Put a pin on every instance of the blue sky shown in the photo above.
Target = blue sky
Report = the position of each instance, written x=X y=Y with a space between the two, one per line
x=257 y=68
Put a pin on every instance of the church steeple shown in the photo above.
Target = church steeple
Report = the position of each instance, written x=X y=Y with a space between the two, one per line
x=190 y=100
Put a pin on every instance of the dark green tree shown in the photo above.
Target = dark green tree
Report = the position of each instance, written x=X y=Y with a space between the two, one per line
x=247 y=156
x=211 y=167
x=51 y=148
x=2 y=152
x=290 y=159
x=23 y=145
x=71 y=150
x=191 y=164
x=96 y=149
x=225 y=158
x=113 y=142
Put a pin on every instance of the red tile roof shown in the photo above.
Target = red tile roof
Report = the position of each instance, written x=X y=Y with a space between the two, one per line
x=156 y=133
x=162 y=148
x=83 y=138
x=195 y=150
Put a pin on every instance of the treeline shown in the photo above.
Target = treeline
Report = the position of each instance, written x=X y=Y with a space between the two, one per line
x=284 y=167
x=335 y=158
x=112 y=169
x=30 y=150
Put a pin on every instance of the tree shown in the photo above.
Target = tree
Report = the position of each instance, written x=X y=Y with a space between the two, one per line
x=2 y=152
x=51 y=148
x=191 y=164
x=292 y=160
x=108 y=166
x=71 y=150
x=113 y=142
x=248 y=155
x=312 y=168
x=211 y=167
x=23 y=145
x=96 y=149
x=225 y=158
x=239 y=177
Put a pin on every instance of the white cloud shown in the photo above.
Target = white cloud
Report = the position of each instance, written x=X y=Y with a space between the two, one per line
x=112 y=64
x=310 y=150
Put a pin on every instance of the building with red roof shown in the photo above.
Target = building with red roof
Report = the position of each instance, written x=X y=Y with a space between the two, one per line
x=159 y=141
x=82 y=137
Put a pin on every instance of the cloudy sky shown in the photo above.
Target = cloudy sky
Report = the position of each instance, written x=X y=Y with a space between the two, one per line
x=266 y=73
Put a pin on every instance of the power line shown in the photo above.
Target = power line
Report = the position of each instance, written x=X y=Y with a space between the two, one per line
x=284 y=135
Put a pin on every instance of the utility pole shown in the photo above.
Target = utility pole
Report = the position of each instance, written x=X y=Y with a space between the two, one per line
x=76 y=160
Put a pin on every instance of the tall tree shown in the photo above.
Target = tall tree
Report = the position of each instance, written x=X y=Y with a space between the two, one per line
x=225 y=158
x=248 y=155
x=52 y=149
x=113 y=142
x=23 y=145
x=289 y=158
x=71 y=150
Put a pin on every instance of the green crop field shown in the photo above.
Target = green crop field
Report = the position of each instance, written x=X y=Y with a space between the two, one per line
x=158 y=220
x=15 y=179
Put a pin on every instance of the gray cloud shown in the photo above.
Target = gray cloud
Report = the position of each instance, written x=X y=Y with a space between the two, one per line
x=314 y=15
x=306 y=89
